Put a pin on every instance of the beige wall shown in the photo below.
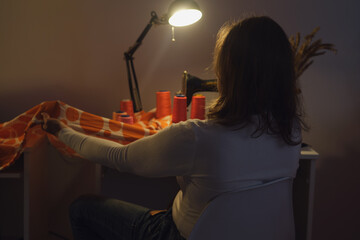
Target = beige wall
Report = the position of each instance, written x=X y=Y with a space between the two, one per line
x=72 y=51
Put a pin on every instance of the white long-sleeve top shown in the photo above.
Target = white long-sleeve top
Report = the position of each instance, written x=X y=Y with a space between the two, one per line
x=207 y=158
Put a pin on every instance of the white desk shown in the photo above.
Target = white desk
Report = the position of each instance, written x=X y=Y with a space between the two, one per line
x=303 y=193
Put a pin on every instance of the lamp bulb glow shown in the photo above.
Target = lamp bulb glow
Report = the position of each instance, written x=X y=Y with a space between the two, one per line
x=185 y=17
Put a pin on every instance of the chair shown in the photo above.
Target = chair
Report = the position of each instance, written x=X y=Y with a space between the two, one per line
x=262 y=212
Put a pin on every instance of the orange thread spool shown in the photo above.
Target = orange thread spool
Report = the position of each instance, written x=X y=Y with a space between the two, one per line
x=126 y=105
x=127 y=119
x=198 y=107
x=163 y=104
x=116 y=115
x=179 y=109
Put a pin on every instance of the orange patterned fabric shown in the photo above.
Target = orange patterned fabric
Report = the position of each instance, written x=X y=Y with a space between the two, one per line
x=25 y=130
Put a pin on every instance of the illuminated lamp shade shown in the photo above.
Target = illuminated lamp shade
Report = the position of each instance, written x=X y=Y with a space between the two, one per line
x=183 y=12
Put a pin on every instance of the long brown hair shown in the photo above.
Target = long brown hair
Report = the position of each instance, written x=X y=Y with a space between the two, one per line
x=253 y=62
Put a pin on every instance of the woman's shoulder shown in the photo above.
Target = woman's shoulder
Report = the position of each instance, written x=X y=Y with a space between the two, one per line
x=209 y=127
x=197 y=124
x=191 y=127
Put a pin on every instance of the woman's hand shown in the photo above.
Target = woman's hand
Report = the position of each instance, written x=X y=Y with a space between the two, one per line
x=52 y=125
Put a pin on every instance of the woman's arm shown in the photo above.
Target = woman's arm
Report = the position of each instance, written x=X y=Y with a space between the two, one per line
x=170 y=152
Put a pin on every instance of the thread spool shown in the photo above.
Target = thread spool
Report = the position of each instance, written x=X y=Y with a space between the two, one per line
x=127 y=119
x=179 y=109
x=163 y=104
x=126 y=105
x=116 y=115
x=198 y=107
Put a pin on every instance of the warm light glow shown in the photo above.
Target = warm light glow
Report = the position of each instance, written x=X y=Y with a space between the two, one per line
x=185 y=17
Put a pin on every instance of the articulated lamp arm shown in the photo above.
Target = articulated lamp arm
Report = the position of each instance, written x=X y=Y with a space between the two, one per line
x=128 y=55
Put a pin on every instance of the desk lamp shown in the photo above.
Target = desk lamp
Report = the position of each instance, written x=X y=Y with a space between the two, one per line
x=180 y=13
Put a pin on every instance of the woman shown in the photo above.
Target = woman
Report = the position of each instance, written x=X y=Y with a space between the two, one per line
x=252 y=135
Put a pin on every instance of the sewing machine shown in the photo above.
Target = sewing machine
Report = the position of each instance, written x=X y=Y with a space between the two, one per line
x=192 y=84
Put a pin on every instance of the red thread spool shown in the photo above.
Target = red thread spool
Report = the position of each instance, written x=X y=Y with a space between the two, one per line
x=126 y=105
x=179 y=109
x=163 y=104
x=198 y=107
x=127 y=119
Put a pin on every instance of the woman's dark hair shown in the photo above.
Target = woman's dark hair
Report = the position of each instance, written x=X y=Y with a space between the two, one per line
x=253 y=61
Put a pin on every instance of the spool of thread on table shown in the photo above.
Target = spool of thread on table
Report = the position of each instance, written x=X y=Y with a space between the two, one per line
x=126 y=105
x=179 y=109
x=198 y=107
x=117 y=115
x=127 y=119
x=163 y=104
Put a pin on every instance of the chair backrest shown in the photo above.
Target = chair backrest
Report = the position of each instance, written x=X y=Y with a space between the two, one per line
x=263 y=212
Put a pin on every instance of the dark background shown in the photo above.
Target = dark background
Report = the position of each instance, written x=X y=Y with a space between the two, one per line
x=73 y=51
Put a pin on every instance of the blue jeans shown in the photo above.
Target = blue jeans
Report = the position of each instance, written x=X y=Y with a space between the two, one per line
x=95 y=217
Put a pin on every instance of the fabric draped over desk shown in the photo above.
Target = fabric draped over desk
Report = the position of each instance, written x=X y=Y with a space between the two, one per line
x=24 y=131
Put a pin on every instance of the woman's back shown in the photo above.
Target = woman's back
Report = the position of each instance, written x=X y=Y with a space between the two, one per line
x=227 y=160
